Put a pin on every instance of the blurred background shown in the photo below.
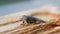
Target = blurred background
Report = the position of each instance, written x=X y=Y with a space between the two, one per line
x=14 y=6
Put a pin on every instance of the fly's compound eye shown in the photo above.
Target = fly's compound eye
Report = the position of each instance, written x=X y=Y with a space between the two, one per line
x=23 y=22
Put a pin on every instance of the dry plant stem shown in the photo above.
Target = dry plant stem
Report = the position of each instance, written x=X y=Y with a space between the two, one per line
x=31 y=29
x=26 y=29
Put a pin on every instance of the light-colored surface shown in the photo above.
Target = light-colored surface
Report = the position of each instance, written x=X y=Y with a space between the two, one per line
x=27 y=5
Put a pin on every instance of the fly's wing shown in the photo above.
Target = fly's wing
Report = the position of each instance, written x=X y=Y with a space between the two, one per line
x=40 y=21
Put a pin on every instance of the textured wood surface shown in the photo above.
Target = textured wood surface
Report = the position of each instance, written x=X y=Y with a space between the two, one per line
x=10 y=24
